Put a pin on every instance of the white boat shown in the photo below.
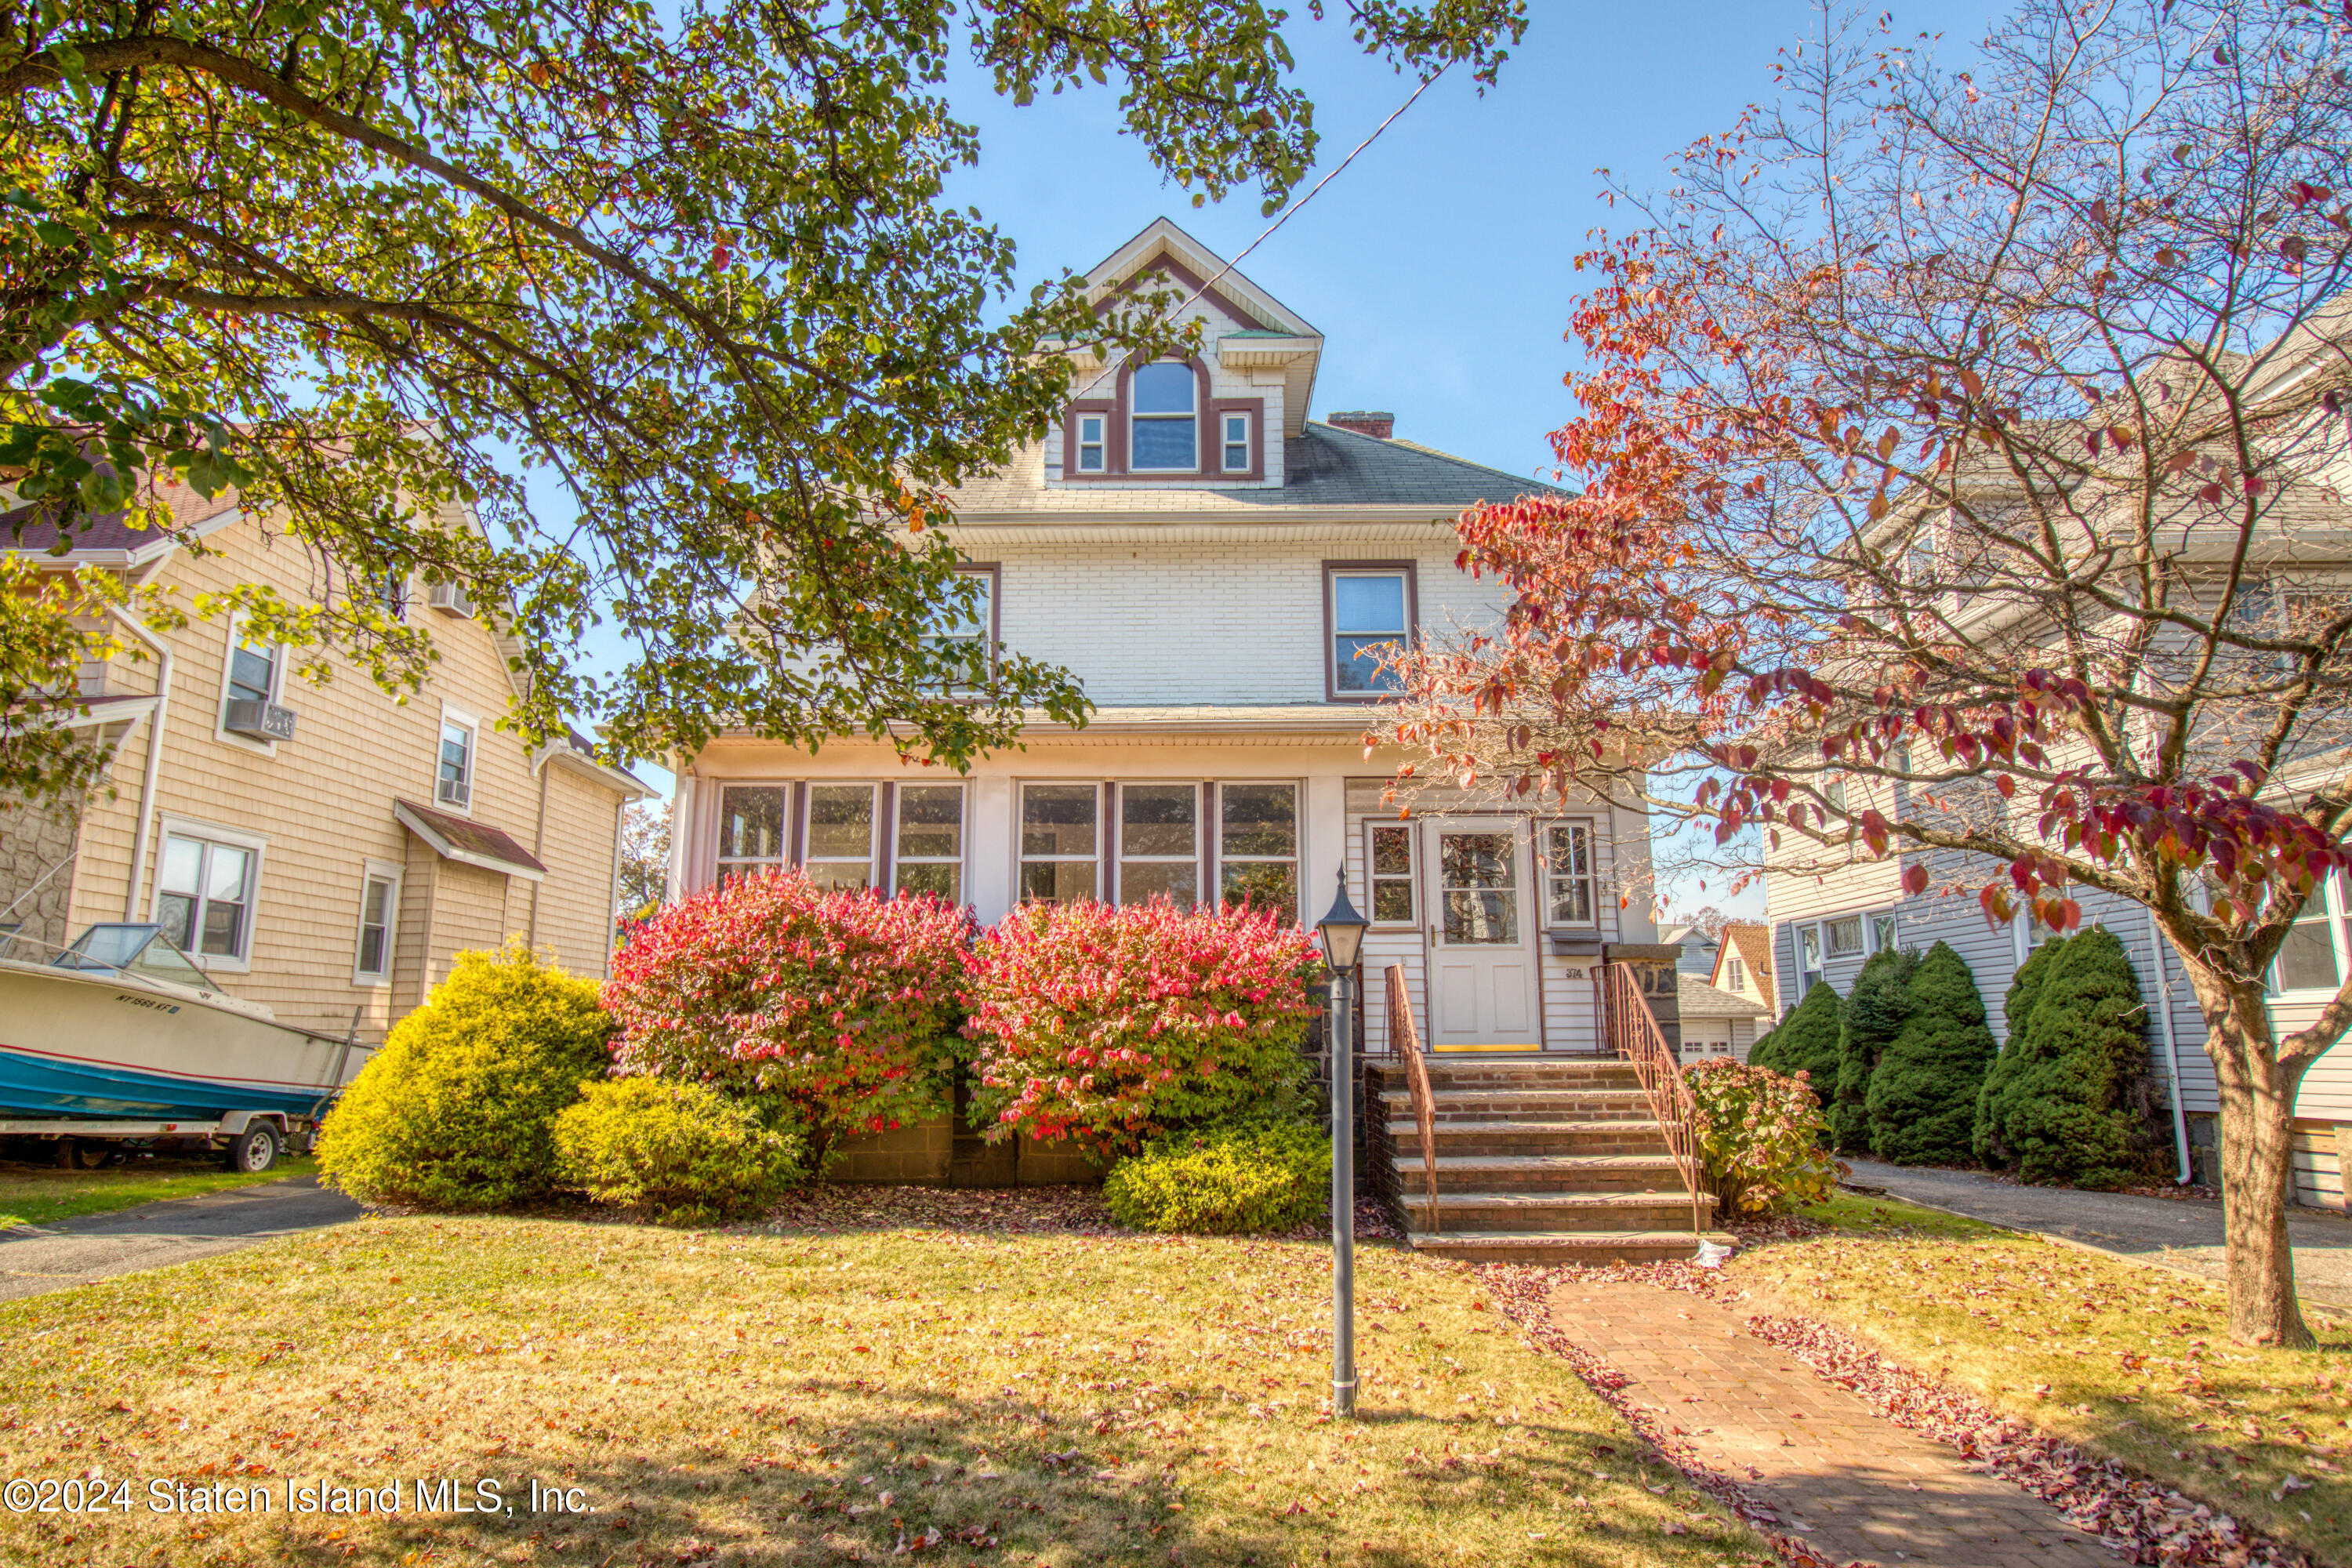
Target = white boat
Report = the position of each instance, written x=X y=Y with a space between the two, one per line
x=123 y=1025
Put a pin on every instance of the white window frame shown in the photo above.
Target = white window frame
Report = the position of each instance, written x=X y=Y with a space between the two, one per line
x=1411 y=832
x=811 y=859
x=1295 y=859
x=169 y=826
x=2332 y=900
x=1591 y=877
x=1135 y=418
x=1099 y=445
x=1873 y=940
x=454 y=717
x=1227 y=423
x=985 y=634
x=722 y=863
x=1735 y=972
x=220 y=706
x=376 y=871
x=1121 y=859
x=1022 y=859
x=1861 y=948
x=900 y=859
x=1817 y=972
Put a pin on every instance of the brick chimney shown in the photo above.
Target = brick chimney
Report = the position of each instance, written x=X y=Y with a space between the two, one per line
x=1377 y=422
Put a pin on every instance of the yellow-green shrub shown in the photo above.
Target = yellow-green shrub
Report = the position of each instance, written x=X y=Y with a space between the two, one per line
x=1224 y=1179
x=683 y=1149
x=456 y=1110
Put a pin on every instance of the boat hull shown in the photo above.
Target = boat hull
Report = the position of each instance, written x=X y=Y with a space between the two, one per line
x=82 y=1046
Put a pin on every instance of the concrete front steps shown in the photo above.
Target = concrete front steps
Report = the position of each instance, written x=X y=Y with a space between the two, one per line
x=1540 y=1160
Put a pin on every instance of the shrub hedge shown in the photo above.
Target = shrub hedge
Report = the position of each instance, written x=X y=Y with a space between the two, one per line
x=2075 y=1105
x=1806 y=1043
x=2017 y=1010
x=683 y=1149
x=458 y=1110
x=1922 y=1101
x=1873 y=1012
x=1224 y=1179
x=1760 y=1137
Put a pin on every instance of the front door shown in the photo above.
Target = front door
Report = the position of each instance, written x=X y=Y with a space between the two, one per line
x=1482 y=953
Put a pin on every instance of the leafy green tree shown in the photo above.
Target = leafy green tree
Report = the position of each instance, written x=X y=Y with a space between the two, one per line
x=1876 y=1007
x=2076 y=1108
x=372 y=263
x=1922 y=1102
x=1806 y=1042
x=2017 y=1008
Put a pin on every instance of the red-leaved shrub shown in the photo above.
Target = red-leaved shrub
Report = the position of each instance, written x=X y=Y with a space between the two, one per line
x=838 y=1008
x=1104 y=1026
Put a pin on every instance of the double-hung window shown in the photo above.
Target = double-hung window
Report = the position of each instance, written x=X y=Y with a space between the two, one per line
x=204 y=895
x=1736 y=972
x=1369 y=620
x=253 y=673
x=1236 y=443
x=379 y=922
x=750 y=829
x=1165 y=423
x=1091 y=447
x=1159 y=842
x=452 y=779
x=840 y=835
x=2312 y=957
x=1391 y=852
x=1809 y=959
x=1257 y=846
x=1568 y=874
x=964 y=633
x=1058 y=842
x=930 y=841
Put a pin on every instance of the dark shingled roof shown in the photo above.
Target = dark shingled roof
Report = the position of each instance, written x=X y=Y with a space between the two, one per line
x=1330 y=466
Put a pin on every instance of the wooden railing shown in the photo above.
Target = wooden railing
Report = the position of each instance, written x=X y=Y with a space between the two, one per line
x=1404 y=1040
x=1634 y=1033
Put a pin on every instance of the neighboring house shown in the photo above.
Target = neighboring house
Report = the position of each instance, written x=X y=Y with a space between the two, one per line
x=1716 y=1023
x=1743 y=968
x=1220 y=571
x=1698 y=948
x=324 y=849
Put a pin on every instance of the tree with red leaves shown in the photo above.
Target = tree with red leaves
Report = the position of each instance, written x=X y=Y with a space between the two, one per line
x=1964 y=454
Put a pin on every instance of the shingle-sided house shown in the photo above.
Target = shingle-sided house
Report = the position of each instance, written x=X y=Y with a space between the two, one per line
x=1219 y=570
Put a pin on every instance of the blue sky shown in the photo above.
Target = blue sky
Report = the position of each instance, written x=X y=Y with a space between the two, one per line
x=1440 y=265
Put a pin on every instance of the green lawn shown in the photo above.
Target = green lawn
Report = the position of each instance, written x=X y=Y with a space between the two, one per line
x=781 y=1398
x=35 y=1194
x=2128 y=1361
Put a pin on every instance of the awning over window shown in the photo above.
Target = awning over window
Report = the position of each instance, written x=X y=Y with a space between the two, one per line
x=467 y=842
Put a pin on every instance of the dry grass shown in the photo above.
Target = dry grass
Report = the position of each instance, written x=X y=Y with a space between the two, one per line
x=36 y=1194
x=808 y=1398
x=2128 y=1361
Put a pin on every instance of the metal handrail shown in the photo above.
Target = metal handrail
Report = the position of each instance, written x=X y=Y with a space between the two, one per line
x=1403 y=1032
x=1634 y=1031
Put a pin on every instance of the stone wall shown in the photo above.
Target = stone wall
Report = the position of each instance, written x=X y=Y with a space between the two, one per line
x=34 y=844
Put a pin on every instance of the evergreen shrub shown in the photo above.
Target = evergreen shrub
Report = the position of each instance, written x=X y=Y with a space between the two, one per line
x=2017 y=1010
x=2076 y=1108
x=683 y=1149
x=1224 y=1179
x=1923 y=1095
x=1805 y=1044
x=1875 y=1010
x=458 y=1110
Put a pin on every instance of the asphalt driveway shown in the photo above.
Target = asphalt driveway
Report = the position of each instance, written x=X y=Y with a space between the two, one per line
x=35 y=1258
x=2177 y=1233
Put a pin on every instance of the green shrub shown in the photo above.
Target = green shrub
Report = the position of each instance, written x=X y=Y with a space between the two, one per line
x=1806 y=1042
x=2017 y=1009
x=683 y=1149
x=1759 y=1136
x=456 y=1110
x=1225 y=1178
x=1873 y=1013
x=1923 y=1095
x=2077 y=1106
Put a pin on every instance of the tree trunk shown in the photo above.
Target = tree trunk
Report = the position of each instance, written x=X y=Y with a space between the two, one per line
x=2255 y=1159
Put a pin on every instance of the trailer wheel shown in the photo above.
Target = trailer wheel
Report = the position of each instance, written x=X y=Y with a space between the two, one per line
x=82 y=1154
x=253 y=1150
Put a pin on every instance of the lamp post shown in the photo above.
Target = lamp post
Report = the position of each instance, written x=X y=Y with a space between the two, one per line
x=1343 y=939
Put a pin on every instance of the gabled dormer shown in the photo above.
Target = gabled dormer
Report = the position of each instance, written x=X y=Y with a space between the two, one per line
x=1216 y=420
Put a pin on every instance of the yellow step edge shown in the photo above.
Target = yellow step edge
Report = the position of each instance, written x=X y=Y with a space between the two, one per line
x=1452 y=1050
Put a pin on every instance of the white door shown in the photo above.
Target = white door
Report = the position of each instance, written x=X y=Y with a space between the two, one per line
x=1482 y=951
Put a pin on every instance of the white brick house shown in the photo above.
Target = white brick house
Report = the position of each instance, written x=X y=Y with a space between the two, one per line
x=1214 y=566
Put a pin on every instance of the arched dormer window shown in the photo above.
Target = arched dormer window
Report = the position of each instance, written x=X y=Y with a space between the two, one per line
x=1165 y=424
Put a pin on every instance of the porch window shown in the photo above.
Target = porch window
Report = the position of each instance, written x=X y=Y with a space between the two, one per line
x=1159 y=842
x=453 y=780
x=1391 y=862
x=1845 y=937
x=750 y=829
x=1091 y=445
x=1057 y=842
x=1257 y=846
x=1166 y=422
x=930 y=856
x=204 y=897
x=1370 y=619
x=378 y=911
x=1568 y=870
x=840 y=835
x=2309 y=959
x=1809 y=959
x=1237 y=443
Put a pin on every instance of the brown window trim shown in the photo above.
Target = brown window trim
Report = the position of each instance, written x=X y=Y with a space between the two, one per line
x=1108 y=407
x=1256 y=408
x=1185 y=276
x=1209 y=443
x=1331 y=692
x=1411 y=828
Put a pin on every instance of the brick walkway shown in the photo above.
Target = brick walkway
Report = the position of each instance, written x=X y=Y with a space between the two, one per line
x=1855 y=1486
